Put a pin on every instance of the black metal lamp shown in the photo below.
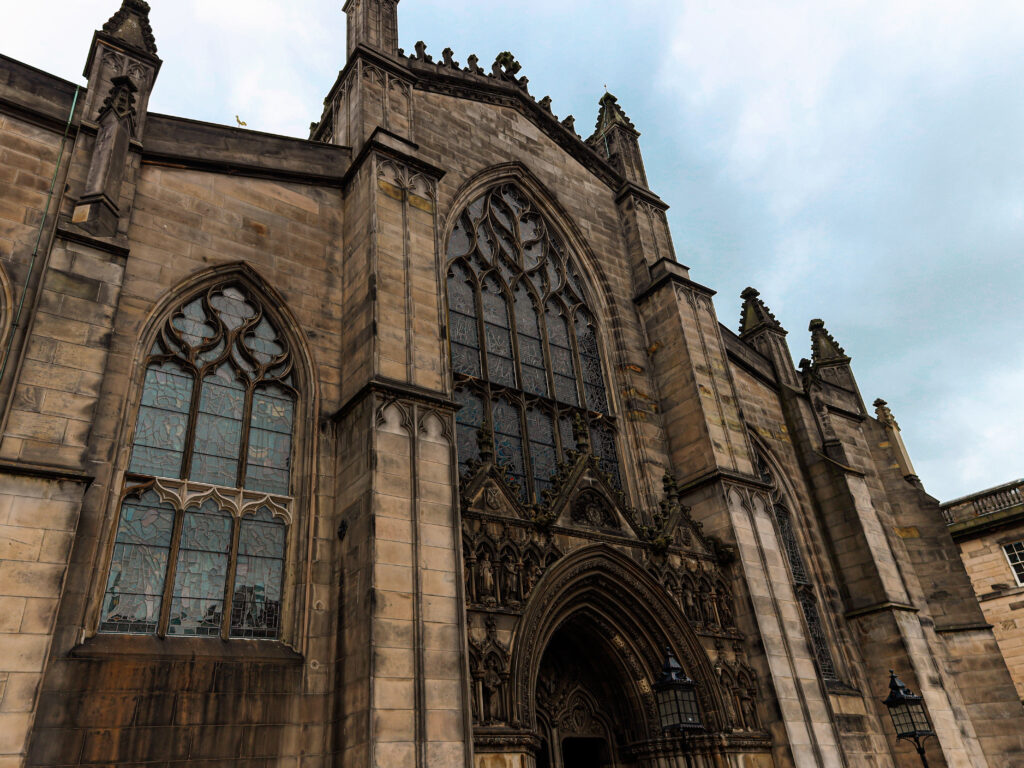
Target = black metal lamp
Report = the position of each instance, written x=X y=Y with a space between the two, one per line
x=677 y=697
x=908 y=715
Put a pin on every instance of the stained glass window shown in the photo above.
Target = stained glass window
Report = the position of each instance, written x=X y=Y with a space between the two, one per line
x=135 y=586
x=217 y=410
x=524 y=347
x=256 y=601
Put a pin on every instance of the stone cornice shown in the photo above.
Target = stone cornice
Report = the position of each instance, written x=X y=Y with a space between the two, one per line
x=883 y=607
x=391 y=145
x=45 y=472
x=400 y=390
x=670 y=273
x=72 y=234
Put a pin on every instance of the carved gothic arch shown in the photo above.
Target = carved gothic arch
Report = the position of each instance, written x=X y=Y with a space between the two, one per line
x=298 y=563
x=600 y=585
x=596 y=284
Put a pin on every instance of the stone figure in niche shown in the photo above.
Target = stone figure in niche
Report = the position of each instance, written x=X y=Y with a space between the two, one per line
x=511 y=578
x=531 y=578
x=690 y=607
x=708 y=607
x=493 y=709
x=485 y=580
x=750 y=720
x=725 y=612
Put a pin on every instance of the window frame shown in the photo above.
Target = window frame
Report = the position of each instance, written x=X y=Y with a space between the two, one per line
x=186 y=496
x=490 y=391
x=1016 y=568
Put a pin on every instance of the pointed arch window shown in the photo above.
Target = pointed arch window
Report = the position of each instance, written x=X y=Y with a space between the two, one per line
x=804 y=588
x=524 y=345
x=200 y=543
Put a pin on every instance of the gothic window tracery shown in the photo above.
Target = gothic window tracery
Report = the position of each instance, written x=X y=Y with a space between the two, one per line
x=200 y=543
x=524 y=345
x=801 y=576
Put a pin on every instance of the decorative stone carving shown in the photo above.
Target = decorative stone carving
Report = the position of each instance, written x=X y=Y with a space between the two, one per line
x=489 y=672
x=592 y=509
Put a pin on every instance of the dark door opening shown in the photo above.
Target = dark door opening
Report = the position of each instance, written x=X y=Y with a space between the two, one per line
x=585 y=753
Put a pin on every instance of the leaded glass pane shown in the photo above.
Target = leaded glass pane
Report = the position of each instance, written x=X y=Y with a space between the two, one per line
x=500 y=364
x=819 y=641
x=508 y=441
x=135 y=585
x=162 y=422
x=590 y=359
x=219 y=429
x=462 y=322
x=531 y=348
x=232 y=307
x=193 y=324
x=566 y=433
x=468 y=421
x=603 y=444
x=263 y=343
x=197 y=602
x=561 y=357
x=270 y=441
x=256 y=601
x=541 y=431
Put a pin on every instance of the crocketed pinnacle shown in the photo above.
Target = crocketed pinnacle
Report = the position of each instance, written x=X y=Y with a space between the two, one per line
x=755 y=314
x=611 y=114
x=824 y=348
x=131 y=26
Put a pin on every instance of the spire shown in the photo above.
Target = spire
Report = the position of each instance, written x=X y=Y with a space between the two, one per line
x=760 y=329
x=131 y=26
x=616 y=139
x=896 y=444
x=755 y=315
x=824 y=349
x=611 y=114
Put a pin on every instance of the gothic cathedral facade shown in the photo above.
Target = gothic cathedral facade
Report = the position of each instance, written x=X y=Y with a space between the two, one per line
x=411 y=445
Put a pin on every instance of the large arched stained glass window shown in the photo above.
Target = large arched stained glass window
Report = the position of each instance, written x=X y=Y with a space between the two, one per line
x=200 y=542
x=524 y=345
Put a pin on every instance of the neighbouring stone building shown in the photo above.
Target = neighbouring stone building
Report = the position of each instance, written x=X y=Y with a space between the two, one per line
x=989 y=529
x=412 y=444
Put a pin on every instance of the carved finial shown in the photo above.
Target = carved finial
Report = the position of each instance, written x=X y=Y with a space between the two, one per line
x=121 y=99
x=755 y=313
x=472 y=65
x=610 y=115
x=421 y=53
x=824 y=348
x=884 y=414
x=569 y=123
x=671 y=489
x=131 y=26
x=485 y=443
x=449 y=61
x=545 y=104
x=581 y=434
x=506 y=66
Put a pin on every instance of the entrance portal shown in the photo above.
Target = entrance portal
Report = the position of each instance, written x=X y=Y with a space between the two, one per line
x=585 y=753
x=584 y=701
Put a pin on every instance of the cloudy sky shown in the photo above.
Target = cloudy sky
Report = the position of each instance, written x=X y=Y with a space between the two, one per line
x=857 y=160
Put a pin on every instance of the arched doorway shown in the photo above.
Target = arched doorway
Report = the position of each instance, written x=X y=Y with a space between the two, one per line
x=585 y=711
x=585 y=654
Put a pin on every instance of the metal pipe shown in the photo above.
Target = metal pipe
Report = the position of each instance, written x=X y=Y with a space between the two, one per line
x=39 y=238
